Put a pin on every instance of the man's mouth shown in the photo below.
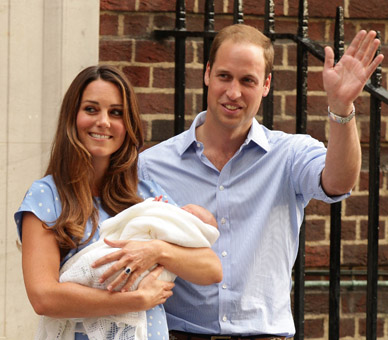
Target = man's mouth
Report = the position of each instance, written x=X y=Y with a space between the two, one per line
x=232 y=107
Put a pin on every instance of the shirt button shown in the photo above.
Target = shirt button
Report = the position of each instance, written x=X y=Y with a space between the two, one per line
x=224 y=318
x=223 y=220
x=224 y=286
x=222 y=187
x=198 y=145
x=224 y=253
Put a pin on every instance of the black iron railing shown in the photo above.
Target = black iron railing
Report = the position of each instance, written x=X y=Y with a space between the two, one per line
x=305 y=46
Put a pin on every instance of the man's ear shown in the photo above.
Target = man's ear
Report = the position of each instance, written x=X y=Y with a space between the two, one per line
x=267 y=85
x=207 y=74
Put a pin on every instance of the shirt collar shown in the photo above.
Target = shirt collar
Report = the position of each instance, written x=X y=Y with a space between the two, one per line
x=256 y=134
x=189 y=136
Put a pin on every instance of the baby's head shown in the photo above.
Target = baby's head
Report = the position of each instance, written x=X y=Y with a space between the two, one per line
x=203 y=214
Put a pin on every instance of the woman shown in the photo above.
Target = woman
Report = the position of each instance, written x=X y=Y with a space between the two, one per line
x=92 y=175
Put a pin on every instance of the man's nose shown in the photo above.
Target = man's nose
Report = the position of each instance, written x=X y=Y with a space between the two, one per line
x=234 y=91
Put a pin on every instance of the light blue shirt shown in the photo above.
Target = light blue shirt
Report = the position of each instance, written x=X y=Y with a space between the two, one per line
x=258 y=200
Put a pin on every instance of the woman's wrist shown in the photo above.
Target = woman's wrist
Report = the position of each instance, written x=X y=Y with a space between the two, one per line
x=138 y=299
x=160 y=250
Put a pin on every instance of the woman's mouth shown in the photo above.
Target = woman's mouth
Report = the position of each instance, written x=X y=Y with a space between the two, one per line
x=99 y=136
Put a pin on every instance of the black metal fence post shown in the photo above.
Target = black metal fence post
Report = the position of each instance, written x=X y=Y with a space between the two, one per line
x=180 y=71
x=301 y=122
x=269 y=30
x=207 y=42
x=373 y=209
x=335 y=213
x=238 y=15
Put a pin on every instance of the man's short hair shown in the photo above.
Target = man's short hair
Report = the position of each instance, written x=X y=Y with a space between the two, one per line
x=244 y=33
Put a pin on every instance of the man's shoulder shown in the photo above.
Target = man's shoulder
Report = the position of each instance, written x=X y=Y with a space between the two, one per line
x=169 y=145
x=291 y=139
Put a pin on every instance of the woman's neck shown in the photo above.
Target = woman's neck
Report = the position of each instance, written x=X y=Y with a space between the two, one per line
x=100 y=169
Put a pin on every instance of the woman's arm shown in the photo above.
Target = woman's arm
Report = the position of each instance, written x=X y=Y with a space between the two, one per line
x=197 y=265
x=41 y=259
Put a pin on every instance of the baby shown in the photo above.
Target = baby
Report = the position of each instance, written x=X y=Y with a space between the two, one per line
x=189 y=226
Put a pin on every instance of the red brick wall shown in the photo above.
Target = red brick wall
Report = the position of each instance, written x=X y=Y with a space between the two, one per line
x=127 y=41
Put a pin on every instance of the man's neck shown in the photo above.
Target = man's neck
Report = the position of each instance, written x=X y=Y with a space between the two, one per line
x=219 y=146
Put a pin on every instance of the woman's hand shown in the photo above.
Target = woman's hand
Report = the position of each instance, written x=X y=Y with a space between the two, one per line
x=197 y=265
x=156 y=291
x=139 y=256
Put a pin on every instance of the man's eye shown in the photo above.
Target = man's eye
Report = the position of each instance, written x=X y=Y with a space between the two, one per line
x=249 y=81
x=223 y=76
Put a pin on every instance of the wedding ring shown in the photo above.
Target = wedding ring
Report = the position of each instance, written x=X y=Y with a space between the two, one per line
x=127 y=271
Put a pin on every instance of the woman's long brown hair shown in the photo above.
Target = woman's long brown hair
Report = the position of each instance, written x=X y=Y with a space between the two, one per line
x=71 y=164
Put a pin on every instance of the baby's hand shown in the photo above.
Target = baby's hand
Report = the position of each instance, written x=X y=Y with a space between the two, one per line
x=160 y=199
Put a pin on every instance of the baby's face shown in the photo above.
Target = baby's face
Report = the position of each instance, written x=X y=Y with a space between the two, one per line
x=203 y=214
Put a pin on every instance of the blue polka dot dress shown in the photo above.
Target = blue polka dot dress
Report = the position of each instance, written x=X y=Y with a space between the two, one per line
x=42 y=200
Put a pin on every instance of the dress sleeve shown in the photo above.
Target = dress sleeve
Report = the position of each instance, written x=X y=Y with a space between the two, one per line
x=43 y=201
x=147 y=189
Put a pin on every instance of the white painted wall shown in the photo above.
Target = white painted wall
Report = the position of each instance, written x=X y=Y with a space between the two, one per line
x=43 y=45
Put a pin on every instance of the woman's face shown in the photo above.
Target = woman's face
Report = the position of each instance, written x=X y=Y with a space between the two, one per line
x=100 y=124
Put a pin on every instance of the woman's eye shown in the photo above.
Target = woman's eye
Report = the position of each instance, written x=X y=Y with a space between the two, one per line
x=90 y=109
x=117 y=113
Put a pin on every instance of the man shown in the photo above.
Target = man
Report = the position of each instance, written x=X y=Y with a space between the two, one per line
x=256 y=182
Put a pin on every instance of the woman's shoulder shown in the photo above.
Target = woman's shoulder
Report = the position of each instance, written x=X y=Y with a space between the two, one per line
x=42 y=200
x=43 y=183
x=43 y=190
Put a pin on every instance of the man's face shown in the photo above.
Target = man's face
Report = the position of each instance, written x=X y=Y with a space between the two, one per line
x=236 y=86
